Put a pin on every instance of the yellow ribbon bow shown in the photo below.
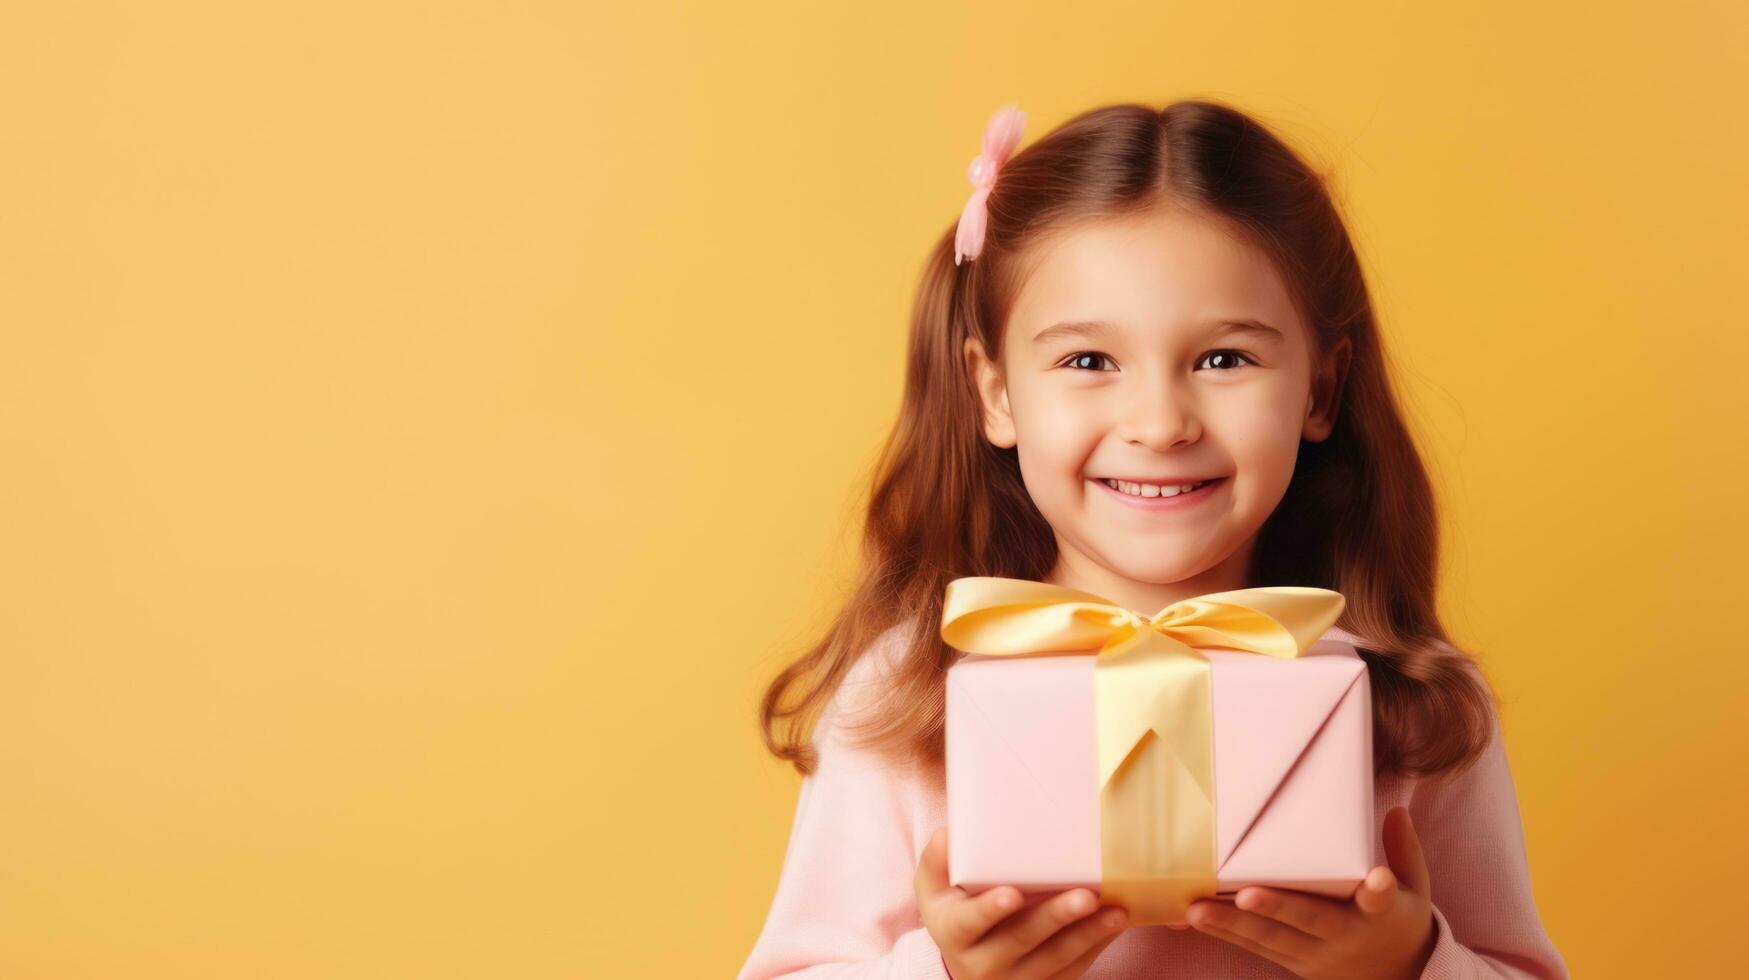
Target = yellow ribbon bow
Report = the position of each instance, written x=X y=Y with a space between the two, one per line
x=1155 y=710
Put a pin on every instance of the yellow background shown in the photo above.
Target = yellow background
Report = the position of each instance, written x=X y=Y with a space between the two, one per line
x=427 y=426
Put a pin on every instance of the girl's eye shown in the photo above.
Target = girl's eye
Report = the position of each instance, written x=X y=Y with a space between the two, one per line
x=1229 y=354
x=1074 y=360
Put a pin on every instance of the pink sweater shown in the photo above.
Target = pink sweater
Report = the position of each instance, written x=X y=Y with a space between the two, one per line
x=846 y=907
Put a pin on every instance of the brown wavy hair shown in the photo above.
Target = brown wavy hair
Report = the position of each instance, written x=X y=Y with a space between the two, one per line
x=1358 y=515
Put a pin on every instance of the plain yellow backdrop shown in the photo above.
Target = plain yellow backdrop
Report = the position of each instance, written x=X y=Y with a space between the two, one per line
x=426 y=427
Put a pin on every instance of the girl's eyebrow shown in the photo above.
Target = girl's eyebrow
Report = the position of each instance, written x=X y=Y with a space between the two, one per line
x=1073 y=328
x=1094 y=328
x=1254 y=328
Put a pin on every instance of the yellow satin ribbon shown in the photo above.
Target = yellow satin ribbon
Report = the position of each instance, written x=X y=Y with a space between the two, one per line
x=1155 y=709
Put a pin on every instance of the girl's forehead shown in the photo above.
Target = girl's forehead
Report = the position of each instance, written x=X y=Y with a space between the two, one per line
x=1154 y=271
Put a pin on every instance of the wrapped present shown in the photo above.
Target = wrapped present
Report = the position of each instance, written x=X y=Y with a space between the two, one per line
x=1220 y=743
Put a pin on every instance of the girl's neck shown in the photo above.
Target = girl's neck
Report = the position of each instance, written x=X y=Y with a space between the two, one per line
x=1076 y=571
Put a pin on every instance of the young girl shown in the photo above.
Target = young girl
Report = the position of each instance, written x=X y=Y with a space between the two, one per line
x=1144 y=301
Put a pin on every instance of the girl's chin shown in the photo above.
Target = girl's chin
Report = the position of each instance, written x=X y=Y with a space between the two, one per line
x=1155 y=572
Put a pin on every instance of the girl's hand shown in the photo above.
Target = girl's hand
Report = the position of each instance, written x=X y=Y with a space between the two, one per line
x=1386 y=931
x=1053 y=939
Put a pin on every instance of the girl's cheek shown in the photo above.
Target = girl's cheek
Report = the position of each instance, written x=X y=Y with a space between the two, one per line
x=1266 y=459
x=1059 y=440
x=1065 y=423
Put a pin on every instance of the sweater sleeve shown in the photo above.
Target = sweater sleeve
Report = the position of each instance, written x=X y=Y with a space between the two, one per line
x=1473 y=840
x=846 y=906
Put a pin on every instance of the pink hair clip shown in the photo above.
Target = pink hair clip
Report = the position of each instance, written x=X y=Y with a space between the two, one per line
x=1001 y=136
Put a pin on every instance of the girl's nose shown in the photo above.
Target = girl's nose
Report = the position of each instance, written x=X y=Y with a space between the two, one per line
x=1159 y=418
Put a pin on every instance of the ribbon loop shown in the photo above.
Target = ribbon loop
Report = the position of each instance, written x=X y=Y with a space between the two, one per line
x=1154 y=708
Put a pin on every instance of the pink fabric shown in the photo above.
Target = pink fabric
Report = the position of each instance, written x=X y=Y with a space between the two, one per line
x=845 y=905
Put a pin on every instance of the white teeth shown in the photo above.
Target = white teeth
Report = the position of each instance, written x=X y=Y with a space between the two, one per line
x=1149 y=489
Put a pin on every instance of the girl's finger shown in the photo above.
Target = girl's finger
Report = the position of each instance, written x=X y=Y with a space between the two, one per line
x=1310 y=914
x=1251 y=945
x=1377 y=893
x=1403 y=851
x=1284 y=939
x=931 y=877
x=1082 y=963
x=970 y=919
x=963 y=917
x=1028 y=929
x=1072 y=944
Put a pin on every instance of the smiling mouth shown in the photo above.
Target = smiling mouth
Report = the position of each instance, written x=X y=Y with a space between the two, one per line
x=1150 y=490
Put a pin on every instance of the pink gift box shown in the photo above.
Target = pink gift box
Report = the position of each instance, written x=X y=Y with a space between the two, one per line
x=1293 y=770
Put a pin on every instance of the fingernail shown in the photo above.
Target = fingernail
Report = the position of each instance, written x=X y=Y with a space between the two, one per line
x=1113 y=919
x=1007 y=900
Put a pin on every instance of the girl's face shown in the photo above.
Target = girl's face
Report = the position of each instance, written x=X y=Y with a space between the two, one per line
x=1160 y=349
